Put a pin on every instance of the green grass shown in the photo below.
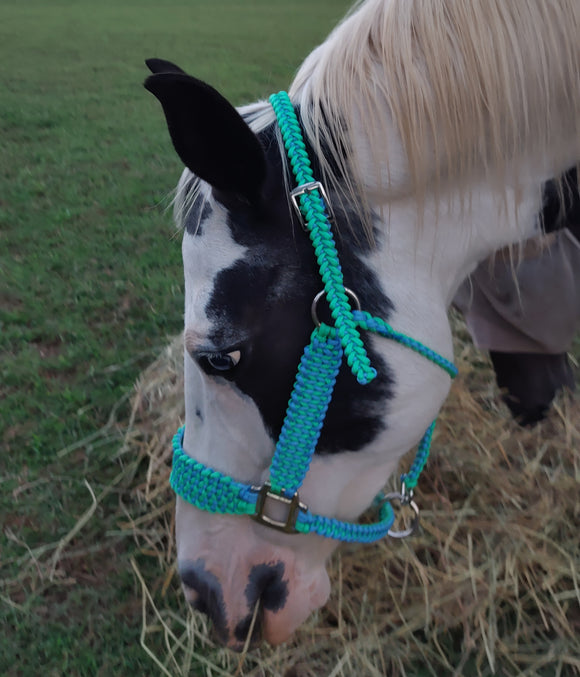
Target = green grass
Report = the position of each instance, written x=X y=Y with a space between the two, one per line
x=91 y=286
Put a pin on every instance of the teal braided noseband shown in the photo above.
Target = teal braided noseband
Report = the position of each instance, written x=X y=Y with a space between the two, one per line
x=211 y=490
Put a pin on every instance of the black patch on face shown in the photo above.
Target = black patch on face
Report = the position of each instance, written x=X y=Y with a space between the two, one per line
x=267 y=295
x=210 y=600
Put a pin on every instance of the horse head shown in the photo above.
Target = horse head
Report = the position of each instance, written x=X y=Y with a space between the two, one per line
x=250 y=278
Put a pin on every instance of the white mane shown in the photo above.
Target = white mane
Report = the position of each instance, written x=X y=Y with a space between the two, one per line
x=470 y=88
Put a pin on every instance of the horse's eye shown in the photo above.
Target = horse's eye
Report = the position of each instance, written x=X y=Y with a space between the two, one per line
x=223 y=361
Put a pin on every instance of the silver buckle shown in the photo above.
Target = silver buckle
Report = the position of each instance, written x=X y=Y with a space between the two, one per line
x=308 y=188
x=294 y=505
x=405 y=499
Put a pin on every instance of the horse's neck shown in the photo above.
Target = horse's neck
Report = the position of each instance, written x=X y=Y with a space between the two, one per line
x=421 y=259
x=454 y=231
x=420 y=263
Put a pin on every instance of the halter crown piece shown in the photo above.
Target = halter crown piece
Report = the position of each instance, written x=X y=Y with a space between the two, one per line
x=211 y=490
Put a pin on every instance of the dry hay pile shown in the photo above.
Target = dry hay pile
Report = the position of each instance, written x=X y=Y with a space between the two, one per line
x=489 y=586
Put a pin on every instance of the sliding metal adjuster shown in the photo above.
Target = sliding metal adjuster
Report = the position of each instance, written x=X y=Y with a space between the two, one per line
x=404 y=500
x=308 y=188
x=292 y=505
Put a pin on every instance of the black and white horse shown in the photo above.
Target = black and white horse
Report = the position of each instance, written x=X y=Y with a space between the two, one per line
x=433 y=125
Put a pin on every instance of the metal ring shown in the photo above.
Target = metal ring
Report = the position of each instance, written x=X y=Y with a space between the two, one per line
x=349 y=292
x=403 y=500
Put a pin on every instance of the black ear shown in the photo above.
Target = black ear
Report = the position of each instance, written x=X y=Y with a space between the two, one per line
x=162 y=66
x=209 y=135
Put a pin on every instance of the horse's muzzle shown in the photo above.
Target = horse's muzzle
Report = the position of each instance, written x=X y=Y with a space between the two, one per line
x=262 y=606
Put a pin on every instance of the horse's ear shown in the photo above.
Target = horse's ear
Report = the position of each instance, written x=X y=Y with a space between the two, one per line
x=209 y=135
x=162 y=66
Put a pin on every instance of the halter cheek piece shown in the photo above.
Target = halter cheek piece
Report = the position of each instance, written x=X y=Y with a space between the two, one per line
x=215 y=492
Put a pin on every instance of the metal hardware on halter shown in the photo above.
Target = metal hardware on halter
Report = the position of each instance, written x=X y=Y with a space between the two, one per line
x=349 y=292
x=406 y=496
x=405 y=500
x=308 y=188
x=294 y=506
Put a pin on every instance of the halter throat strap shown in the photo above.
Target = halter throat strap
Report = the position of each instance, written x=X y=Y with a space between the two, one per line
x=213 y=491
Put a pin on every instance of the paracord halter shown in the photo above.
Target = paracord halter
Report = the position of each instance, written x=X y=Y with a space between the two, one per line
x=211 y=490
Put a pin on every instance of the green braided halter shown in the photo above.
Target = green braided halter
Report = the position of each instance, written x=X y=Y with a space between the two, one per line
x=309 y=195
x=211 y=490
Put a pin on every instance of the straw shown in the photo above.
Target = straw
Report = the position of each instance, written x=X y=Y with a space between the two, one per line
x=490 y=584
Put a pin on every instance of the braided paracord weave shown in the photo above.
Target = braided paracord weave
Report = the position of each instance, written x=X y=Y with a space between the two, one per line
x=316 y=219
x=409 y=479
x=311 y=396
x=306 y=410
x=204 y=487
x=349 y=532
x=212 y=491
x=367 y=321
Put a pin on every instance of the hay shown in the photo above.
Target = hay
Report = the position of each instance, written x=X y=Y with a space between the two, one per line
x=490 y=585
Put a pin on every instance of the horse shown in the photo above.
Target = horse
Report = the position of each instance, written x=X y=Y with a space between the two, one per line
x=431 y=126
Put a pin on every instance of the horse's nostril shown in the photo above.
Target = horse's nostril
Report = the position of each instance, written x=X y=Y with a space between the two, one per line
x=265 y=591
x=265 y=583
x=250 y=624
x=209 y=597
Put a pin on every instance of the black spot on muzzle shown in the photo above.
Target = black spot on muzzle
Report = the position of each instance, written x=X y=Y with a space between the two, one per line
x=210 y=599
x=266 y=587
x=265 y=584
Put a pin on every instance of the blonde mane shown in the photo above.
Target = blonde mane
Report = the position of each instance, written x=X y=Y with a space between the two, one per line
x=470 y=87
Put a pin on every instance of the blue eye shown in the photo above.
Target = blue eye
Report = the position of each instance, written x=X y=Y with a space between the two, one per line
x=223 y=361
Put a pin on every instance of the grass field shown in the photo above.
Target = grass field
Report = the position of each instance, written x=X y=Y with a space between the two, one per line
x=90 y=291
